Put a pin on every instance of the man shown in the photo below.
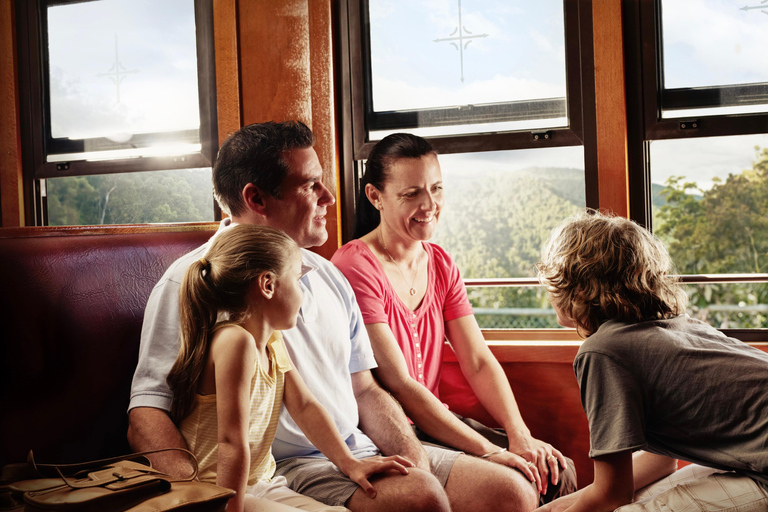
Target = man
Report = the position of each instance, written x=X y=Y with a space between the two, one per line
x=269 y=174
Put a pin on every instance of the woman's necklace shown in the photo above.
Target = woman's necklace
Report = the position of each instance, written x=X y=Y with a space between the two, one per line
x=412 y=291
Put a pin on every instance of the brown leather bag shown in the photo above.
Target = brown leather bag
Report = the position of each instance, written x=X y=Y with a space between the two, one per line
x=120 y=484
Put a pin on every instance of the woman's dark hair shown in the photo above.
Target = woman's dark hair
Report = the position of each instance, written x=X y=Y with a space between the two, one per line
x=383 y=155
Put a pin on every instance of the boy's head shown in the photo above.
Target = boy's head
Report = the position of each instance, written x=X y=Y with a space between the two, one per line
x=598 y=267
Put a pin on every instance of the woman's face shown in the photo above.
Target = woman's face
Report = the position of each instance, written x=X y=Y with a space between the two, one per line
x=412 y=198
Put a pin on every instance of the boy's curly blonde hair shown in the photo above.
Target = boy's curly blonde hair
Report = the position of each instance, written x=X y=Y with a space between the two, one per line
x=598 y=267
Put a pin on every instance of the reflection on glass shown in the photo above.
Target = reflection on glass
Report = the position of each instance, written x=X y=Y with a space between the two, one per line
x=119 y=68
x=714 y=42
x=133 y=198
x=454 y=53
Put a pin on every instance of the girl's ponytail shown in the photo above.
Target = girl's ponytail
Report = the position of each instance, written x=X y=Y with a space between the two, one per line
x=219 y=282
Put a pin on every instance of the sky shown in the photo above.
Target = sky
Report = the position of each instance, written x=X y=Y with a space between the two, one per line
x=512 y=50
x=156 y=43
x=522 y=56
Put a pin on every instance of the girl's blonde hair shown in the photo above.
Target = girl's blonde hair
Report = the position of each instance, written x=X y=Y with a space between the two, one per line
x=598 y=267
x=219 y=282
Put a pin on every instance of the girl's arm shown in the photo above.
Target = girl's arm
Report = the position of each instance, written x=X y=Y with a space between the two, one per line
x=317 y=425
x=487 y=379
x=233 y=353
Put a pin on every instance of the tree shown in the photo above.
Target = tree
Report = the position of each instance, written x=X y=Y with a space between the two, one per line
x=723 y=230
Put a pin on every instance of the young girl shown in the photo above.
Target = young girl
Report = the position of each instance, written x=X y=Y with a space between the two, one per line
x=654 y=382
x=231 y=377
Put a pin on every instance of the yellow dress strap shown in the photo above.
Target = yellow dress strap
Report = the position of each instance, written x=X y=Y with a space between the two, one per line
x=277 y=350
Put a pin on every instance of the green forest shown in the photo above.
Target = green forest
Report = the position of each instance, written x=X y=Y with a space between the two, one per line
x=495 y=226
x=132 y=198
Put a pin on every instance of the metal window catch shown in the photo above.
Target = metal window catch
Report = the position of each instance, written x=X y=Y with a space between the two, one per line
x=689 y=125
x=63 y=166
x=542 y=135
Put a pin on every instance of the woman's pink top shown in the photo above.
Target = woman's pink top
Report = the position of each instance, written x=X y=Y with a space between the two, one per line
x=420 y=333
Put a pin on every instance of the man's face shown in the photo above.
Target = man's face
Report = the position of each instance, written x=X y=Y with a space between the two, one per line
x=302 y=207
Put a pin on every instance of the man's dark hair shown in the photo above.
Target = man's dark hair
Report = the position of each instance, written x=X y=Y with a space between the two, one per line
x=256 y=154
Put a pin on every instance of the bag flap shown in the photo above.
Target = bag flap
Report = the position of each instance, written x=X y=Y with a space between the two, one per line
x=187 y=496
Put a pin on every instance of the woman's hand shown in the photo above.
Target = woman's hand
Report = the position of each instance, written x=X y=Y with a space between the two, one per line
x=513 y=460
x=360 y=470
x=547 y=459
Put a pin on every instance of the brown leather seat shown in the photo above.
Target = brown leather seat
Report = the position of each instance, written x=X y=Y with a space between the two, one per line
x=71 y=307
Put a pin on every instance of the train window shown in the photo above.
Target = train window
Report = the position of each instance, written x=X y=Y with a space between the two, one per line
x=465 y=67
x=498 y=90
x=709 y=201
x=698 y=118
x=116 y=87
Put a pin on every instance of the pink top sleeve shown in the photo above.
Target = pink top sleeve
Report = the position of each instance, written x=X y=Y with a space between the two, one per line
x=420 y=333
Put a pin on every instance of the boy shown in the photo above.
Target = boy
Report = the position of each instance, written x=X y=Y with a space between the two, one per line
x=652 y=378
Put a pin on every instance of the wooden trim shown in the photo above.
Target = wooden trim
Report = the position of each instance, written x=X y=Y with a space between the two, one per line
x=226 y=48
x=11 y=176
x=610 y=101
x=116 y=229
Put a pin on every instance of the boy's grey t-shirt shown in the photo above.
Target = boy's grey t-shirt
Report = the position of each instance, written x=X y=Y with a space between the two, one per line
x=678 y=388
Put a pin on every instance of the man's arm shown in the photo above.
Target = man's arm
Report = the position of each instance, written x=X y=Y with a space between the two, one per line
x=152 y=429
x=382 y=419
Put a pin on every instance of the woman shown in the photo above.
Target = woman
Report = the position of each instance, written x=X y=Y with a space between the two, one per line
x=412 y=298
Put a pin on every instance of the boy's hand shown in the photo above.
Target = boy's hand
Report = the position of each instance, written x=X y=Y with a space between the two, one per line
x=361 y=470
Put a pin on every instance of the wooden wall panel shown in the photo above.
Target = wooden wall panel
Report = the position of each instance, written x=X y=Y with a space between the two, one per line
x=286 y=72
x=610 y=98
x=11 y=181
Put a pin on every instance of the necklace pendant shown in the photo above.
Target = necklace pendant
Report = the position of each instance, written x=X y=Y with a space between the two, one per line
x=413 y=291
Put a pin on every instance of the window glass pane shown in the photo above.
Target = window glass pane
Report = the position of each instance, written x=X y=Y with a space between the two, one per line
x=714 y=42
x=500 y=208
x=449 y=53
x=730 y=305
x=710 y=198
x=121 y=69
x=131 y=198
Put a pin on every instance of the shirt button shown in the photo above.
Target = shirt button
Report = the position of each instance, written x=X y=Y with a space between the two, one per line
x=415 y=335
x=419 y=365
x=417 y=344
x=421 y=376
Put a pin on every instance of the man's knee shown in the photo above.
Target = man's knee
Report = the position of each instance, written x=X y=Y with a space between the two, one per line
x=418 y=491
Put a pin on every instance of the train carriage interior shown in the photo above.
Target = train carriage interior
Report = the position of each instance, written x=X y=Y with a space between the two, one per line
x=112 y=112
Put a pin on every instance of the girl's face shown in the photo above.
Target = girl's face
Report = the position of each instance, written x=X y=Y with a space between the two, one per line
x=288 y=295
x=412 y=197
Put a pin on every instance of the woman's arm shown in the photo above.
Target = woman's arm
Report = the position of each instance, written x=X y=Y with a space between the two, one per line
x=490 y=384
x=317 y=425
x=233 y=353
x=424 y=408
